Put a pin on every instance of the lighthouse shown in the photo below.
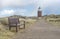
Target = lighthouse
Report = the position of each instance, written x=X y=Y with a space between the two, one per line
x=39 y=12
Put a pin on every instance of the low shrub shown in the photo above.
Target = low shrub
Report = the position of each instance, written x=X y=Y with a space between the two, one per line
x=4 y=21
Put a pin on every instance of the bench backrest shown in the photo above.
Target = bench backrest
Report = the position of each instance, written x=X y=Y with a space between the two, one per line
x=13 y=20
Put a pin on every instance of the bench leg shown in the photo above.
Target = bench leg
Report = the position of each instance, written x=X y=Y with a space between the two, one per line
x=16 y=29
x=9 y=27
x=24 y=24
x=19 y=27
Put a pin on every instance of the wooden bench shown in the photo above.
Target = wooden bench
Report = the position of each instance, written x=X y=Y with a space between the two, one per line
x=14 y=22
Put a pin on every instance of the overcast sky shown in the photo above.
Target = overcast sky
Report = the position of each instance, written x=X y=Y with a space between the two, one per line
x=28 y=7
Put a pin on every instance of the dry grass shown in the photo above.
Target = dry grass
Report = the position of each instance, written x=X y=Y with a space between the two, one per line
x=57 y=23
x=5 y=33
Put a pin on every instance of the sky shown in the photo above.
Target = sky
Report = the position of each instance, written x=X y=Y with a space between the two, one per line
x=28 y=7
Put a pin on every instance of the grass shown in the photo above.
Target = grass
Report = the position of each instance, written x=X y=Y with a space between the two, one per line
x=5 y=33
x=57 y=23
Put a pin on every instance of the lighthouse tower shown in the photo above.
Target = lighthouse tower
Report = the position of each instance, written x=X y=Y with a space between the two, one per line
x=39 y=12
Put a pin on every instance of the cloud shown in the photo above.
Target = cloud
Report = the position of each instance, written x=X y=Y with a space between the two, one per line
x=17 y=2
x=42 y=3
x=20 y=11
x=45 y=3
x=6 y=13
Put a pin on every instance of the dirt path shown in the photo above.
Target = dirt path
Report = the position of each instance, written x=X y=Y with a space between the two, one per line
x=41 y=30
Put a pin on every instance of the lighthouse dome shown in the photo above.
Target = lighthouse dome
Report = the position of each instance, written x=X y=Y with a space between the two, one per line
x=39 y=9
